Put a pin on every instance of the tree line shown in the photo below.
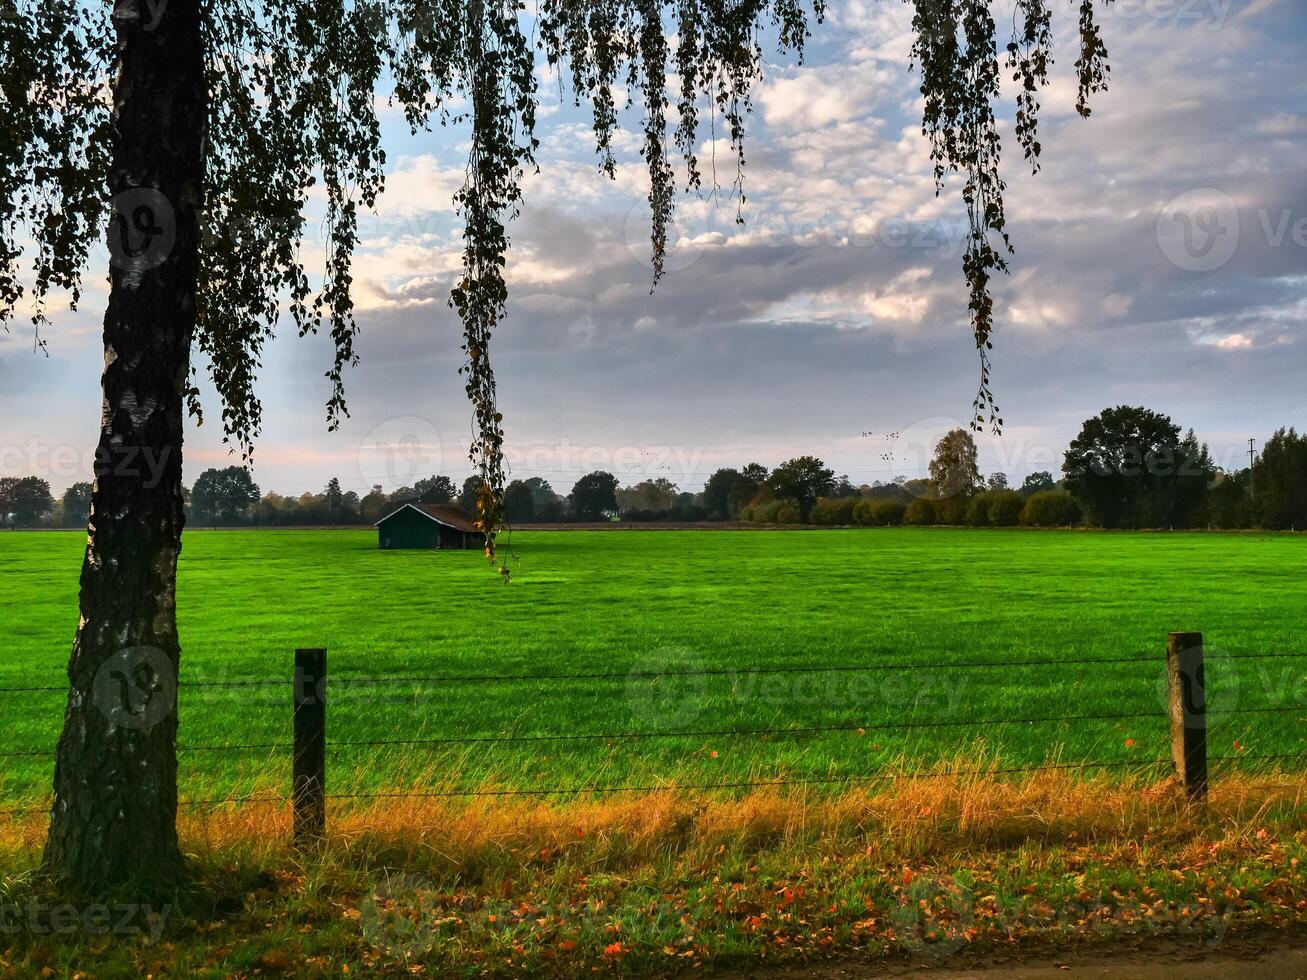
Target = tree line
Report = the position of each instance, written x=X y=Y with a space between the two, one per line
x=1128 y=468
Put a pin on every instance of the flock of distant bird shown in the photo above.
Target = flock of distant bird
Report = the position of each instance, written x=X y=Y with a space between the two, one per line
x=887 y=456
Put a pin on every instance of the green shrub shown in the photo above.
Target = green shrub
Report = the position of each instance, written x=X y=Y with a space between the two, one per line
x=1005 y=508
x=1050 y=508
x=879 y=513
x=978 y=509
x=952 y=510
x=833 y=510
x=920 y=513
x=788 y=512
x=766 y=512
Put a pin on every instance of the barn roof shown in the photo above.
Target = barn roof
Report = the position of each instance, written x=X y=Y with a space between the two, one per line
x=446 y=514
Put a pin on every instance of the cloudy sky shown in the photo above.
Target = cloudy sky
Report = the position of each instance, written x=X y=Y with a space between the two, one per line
x=1161 y=260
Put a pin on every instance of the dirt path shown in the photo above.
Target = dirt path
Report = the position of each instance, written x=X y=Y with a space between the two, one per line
x=1248 y=958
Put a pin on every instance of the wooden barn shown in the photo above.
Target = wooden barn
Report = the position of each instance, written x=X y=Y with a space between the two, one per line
x=428 y=526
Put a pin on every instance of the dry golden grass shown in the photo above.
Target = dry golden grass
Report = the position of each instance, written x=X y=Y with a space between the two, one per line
x=898 y=819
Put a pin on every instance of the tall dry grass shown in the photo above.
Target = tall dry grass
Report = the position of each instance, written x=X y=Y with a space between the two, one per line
x=903 y=818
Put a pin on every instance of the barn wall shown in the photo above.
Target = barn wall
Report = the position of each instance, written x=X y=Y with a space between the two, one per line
x=453 y=538
x=408 y=529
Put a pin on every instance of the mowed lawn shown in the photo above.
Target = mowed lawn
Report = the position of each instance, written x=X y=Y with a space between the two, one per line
x=936 y=602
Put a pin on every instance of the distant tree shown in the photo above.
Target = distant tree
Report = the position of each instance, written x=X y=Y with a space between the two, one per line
x=1229 y=503
x=24 y=499
x=1279 y=481
x=879 y=512
x=834 y=511
x=1185 y=502
x=916 y=488
x=334 y=499
x=718 y=493
x=920 y=513
x=887 y=491
x=8 y=490
x=311 y=509
x=1129 y=467
x=374 y=506
x=467 y=497
x=270 y=510
x=997 y=481
x=844 y=488
x=1050 y=508
x=224 y=496
x=753 y=478
x=519 y=502
x=349 y=507
x=954 y=471
x=656 y=496
x=978 y=509
x=593 y=496
x=435 y=490
x=76 y=505
x=1005 y=508
x=802 y=480
x=1038 y=481
x=548 y=505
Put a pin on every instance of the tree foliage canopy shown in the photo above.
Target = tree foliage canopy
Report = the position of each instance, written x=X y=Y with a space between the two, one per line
x=593 y=496
x=1131 y=468
x=954 y=471
x=224 y=495
x=802 y=479
x=293 y=94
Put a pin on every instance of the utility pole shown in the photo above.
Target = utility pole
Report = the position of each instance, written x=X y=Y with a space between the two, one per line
x=1252 y=460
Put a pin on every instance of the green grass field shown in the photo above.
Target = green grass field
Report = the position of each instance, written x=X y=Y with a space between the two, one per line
x=596 y=602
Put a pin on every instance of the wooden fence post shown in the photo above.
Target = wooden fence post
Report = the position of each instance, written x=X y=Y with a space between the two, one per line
x=308 y=787
x=1188 y=708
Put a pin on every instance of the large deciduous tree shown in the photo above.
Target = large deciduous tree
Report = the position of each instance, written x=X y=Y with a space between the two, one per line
x=1279 y=481
x=954 y=470
x=718 y=490
x=76 y=504
x=802 y=479
x=196 y=131
x=593 y=497
x=224 y=496
x=23 y=499
x=1130 y=467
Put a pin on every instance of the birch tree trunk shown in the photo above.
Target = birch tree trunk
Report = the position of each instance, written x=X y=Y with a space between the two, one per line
x=115 y=803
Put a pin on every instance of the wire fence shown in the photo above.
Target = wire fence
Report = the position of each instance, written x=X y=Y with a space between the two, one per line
x=350 y=747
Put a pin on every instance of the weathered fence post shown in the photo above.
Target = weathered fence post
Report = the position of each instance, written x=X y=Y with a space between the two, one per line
x=308 y=786
x=1188 y=708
